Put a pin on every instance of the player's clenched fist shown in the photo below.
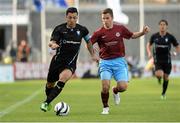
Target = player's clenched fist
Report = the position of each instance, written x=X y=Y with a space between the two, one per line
x=53 y=45
x=146 y=29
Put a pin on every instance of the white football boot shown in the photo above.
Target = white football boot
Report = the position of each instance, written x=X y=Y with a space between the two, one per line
x=105 y=110
x=116 y=98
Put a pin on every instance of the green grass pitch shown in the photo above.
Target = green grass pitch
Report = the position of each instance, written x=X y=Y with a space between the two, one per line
x=20 y=102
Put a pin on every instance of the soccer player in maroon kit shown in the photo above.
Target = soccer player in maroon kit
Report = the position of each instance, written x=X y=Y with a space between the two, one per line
x=112 y=52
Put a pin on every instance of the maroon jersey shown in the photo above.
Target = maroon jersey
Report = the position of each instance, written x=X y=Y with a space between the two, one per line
x=110 y=41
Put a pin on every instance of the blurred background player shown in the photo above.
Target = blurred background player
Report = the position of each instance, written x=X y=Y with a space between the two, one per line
x=150 y=66
x=162 y=41
x=109 y=38
x=66 y=39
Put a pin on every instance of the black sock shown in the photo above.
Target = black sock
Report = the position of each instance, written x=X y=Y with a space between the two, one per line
x=48 y=90
x=165 y=85
x=55 y=92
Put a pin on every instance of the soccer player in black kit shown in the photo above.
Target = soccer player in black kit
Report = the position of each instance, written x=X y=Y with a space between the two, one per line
x=66 y=39
x=162 y=41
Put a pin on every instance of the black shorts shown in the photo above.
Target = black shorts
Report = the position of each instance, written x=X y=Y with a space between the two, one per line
x=56 y=67
x=165 y=67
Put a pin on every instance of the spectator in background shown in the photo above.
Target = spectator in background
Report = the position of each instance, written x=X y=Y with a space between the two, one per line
x=1 y=54
x=23 y=51
x=13 y=52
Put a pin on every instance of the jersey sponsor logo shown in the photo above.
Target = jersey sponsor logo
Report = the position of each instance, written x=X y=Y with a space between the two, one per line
x=70 y=42
x=117 y=34
x=162 y=46
x=111 y=43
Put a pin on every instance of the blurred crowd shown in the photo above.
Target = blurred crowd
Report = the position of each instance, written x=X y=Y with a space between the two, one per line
x=13 y=54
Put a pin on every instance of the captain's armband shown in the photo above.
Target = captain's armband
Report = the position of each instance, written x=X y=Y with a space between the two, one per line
x=87 y=38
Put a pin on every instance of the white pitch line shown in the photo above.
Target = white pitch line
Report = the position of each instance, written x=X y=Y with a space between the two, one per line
x=16 y=105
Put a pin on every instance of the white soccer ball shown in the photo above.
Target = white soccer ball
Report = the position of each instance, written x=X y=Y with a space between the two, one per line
x=61 y=109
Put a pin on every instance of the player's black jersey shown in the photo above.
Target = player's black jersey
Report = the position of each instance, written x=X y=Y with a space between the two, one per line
x=69 y=41
x=162 y=47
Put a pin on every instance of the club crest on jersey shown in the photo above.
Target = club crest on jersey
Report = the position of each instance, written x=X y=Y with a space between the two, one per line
x=117 y=34
x=166 y=39
x=78 y=32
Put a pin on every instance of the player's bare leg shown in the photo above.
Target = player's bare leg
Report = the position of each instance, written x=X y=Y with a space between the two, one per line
x=121 y=87
x=159 y=75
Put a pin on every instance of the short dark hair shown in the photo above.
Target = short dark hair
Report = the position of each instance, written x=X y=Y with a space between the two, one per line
x=165 y=21
x=108 y=10
x=71 y=10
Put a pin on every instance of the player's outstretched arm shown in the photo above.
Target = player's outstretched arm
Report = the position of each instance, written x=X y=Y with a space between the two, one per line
x=145 y=30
